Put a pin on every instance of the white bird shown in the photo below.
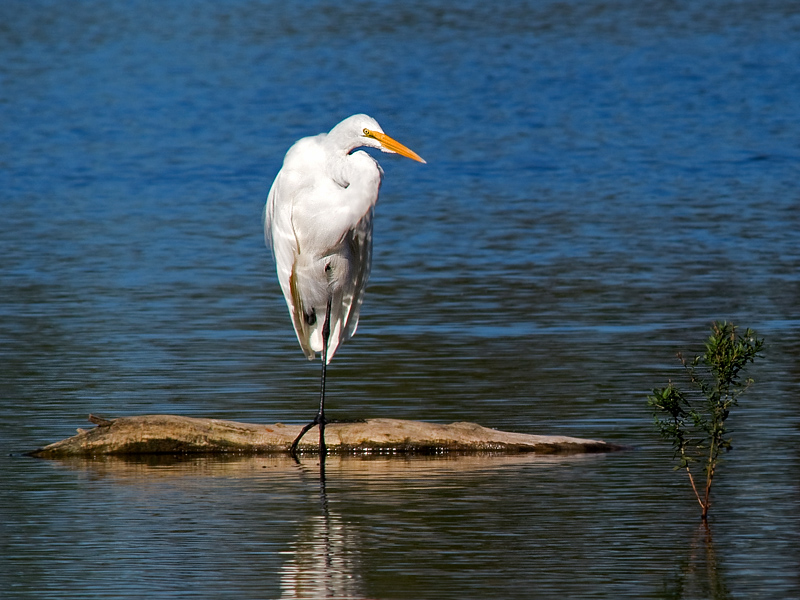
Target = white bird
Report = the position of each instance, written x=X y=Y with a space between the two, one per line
x=318 y=222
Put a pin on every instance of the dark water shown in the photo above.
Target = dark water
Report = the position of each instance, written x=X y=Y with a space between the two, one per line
x=603 y=181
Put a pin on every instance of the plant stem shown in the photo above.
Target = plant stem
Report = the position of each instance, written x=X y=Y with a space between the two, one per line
x=712 y=465
x=694 y=487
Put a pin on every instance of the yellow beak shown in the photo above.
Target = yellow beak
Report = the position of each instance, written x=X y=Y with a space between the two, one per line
x=395 y=146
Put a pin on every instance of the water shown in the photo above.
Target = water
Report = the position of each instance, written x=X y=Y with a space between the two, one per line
x=603 y=181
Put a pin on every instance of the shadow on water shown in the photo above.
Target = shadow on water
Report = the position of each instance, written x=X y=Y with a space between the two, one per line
x=699 y=574
x=327 y=551
x=323 y=561
x=324 y=558
x=368 y=469
x=396 y=526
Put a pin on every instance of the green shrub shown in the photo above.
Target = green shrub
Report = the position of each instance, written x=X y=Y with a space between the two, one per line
x=695 y=423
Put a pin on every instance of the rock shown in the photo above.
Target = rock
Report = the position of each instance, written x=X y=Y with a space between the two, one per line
x=171 y=434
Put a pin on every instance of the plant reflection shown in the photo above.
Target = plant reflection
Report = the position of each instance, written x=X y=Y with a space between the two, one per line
x=324 y=559
x=699 y=575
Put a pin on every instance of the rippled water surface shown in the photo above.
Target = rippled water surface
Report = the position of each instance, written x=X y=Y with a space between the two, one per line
x=604 y=180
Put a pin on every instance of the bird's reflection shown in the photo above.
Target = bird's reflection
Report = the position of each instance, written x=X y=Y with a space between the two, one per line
x=324 y=559
x=699 y=575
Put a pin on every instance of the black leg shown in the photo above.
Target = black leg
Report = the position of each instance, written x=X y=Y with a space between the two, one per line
x=326 y=334
x=320 y=418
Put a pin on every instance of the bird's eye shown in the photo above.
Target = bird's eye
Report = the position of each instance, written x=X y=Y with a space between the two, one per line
x=367 y=132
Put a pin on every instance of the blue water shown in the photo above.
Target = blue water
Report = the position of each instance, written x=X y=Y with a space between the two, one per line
x=603 y=181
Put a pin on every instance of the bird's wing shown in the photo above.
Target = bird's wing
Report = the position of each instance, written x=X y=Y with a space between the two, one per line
x=346 y=305
x=280 y=237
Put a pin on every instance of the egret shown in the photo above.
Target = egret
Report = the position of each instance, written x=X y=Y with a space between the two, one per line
x=318 y=222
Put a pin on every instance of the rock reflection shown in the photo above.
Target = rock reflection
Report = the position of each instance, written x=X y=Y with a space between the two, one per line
x=699 y=575
x=260 y=519
x=324 y=559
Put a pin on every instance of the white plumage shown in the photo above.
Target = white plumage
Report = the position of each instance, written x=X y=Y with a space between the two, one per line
x=318 y=222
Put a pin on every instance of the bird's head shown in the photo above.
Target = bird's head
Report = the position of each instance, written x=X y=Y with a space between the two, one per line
x=369 y=134
x=388 y=144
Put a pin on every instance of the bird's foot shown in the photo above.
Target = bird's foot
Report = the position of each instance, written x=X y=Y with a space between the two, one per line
x=318 y=420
